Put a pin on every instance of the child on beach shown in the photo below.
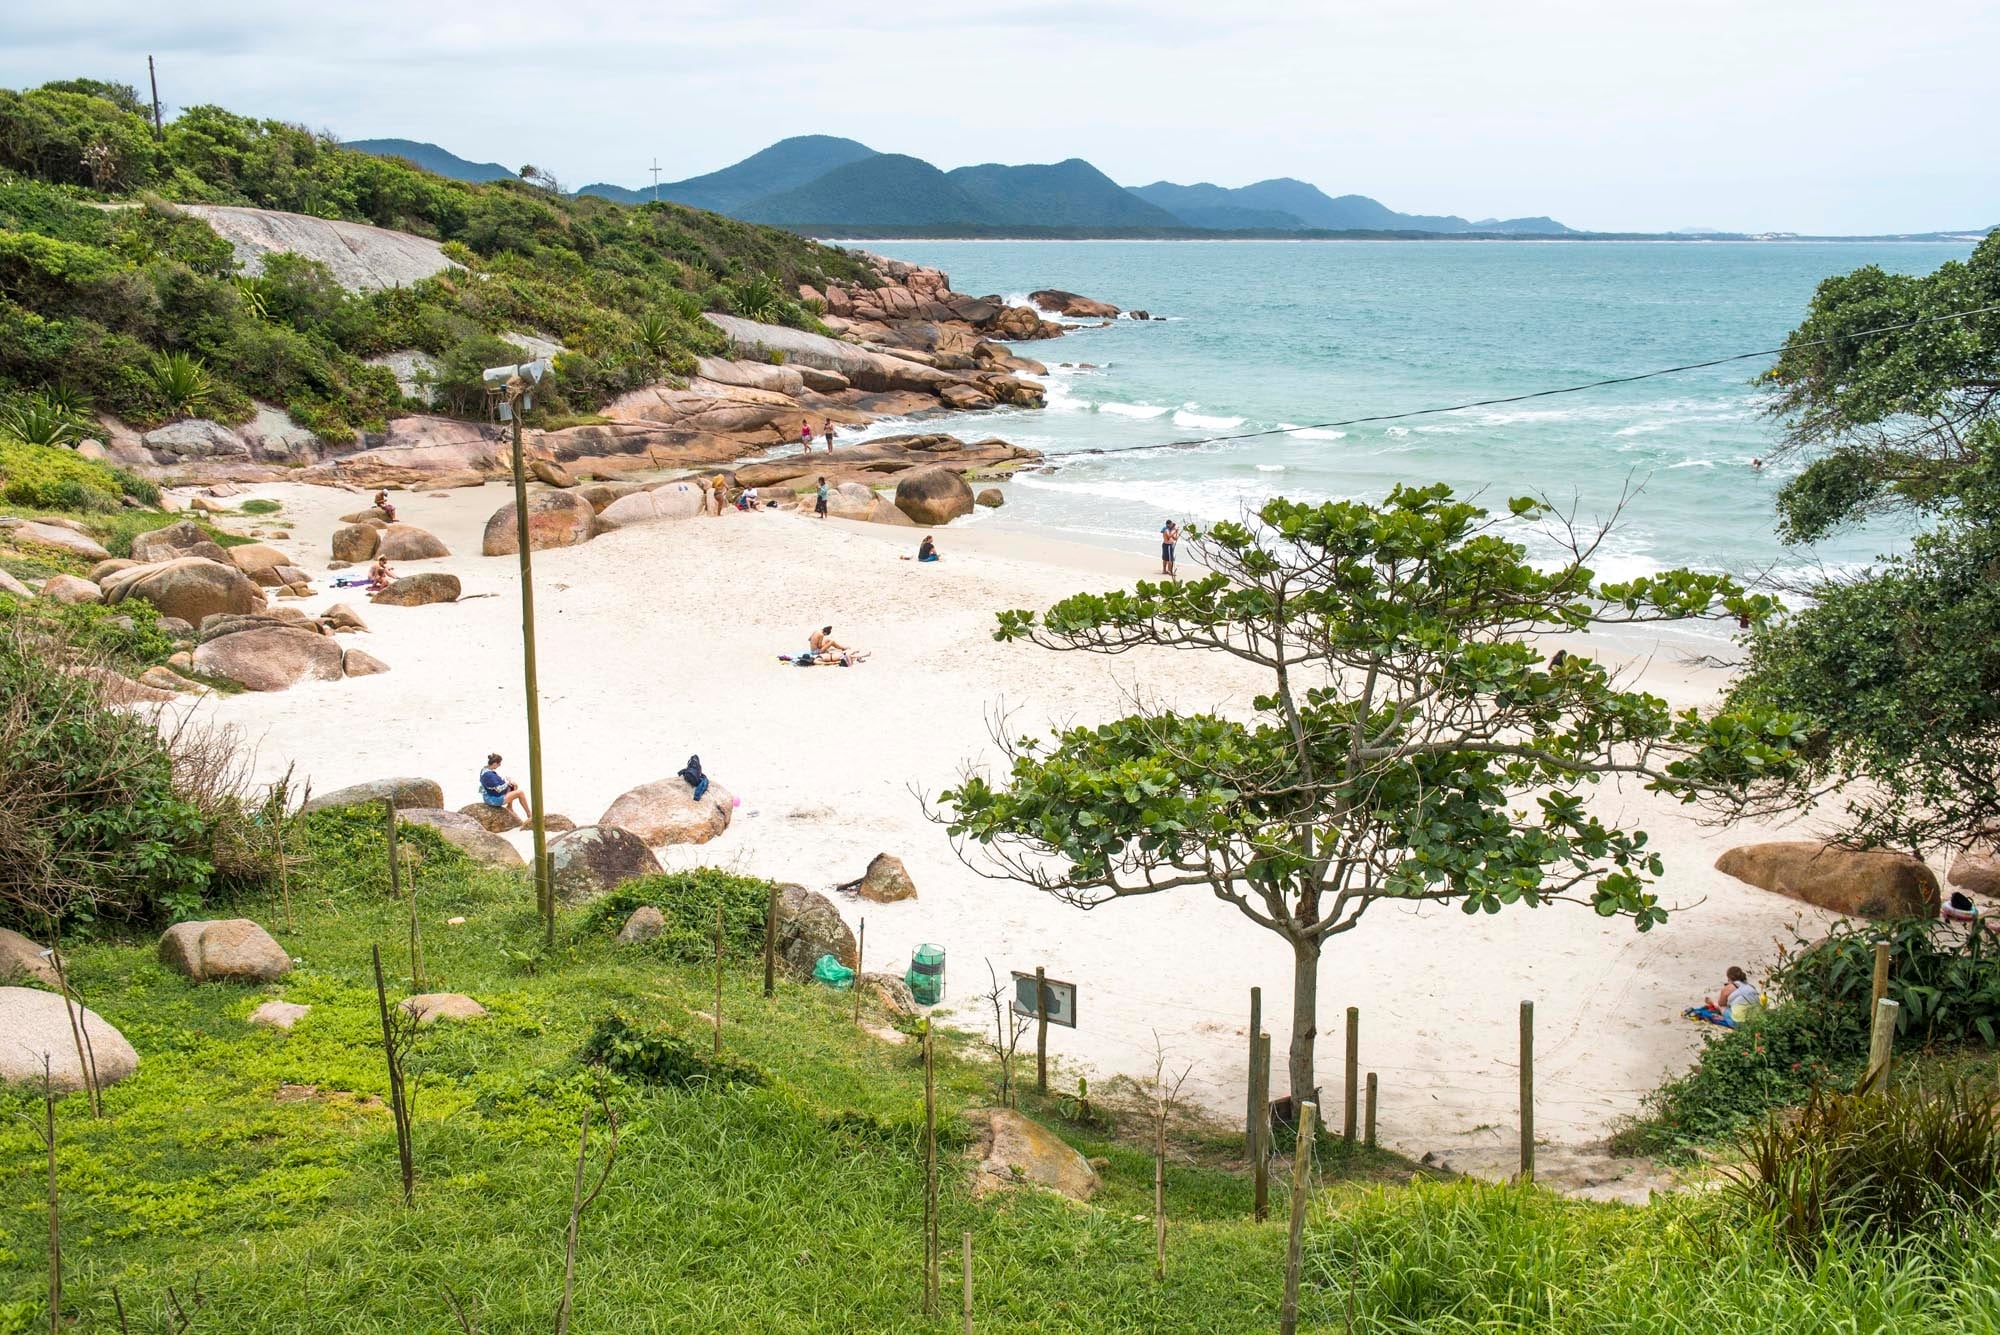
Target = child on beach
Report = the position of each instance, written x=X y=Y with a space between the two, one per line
x=819 y=500
x=497 y=790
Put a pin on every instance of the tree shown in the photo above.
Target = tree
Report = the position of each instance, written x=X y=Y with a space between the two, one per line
x=1896 y=667
x=1892 y=419
x=1413 y=746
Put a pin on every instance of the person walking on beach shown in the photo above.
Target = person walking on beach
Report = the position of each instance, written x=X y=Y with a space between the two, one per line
x=819 y=500
x=1170 y=536
x=806 y=434
x=827 y=426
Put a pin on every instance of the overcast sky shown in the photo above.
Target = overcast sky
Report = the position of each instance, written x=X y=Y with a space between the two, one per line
x=1828 y=116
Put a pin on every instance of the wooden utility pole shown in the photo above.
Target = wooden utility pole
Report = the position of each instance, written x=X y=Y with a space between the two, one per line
x=545 y=898
x=153 y=78
x=1041 y=1030
x=1260 y=1128
x=771 y=942
x=1353 y=1085
x=1288 y=1317
x=1527 y=1091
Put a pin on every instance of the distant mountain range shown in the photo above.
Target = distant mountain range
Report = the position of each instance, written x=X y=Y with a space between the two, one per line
x=823 y=181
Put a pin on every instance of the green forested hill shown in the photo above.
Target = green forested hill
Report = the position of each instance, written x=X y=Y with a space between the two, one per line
x=139 y=311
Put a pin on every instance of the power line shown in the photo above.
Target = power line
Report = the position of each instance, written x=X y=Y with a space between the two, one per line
x=1540 y=393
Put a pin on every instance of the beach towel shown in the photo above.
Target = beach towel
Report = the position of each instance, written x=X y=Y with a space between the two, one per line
x=1708 y=1015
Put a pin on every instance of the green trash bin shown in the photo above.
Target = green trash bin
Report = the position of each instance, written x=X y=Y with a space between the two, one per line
x=926 y=975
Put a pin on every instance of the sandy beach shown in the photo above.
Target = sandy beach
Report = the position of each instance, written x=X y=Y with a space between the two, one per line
x=661 y=641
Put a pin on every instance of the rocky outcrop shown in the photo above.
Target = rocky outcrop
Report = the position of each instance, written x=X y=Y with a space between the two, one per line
x=407 y=542
x=550 y=473
x=341 y=617
x=1976 y=870
x=555 y=519
x=176 y=540
x=264 y=654
x=886 y=881
x=466 y=834
x=494 y=820
x=419 y=590
x=38 y=1027
x=991 y=497
x=665 y=812
x=70 y=589
x=595 y=859
x=261 y=563
x=1072 y=306
x=1859 y=884
x=48 y=533
x=933 y=496
x=884 y=460
x=361 y=257
x=673 y=500
x=406 y=793
x=23 y=961
x=359 y=663
x=809 y=926
x=190 y=588
x=233 y=950
x=1012 y=1150
x=279 y=1014
x=14 y=587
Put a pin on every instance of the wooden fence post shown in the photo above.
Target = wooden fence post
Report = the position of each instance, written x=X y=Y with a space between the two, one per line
x=1041 y=1030
x=284 y=867
x=1879 y=985
x=966 y=1286
x=1260 y=1128
x=416 y=935
x=1527 y=1091
x=1368 y=1120
x=389 y=825
x=930 y=1176
x=718 y=980
x=1250 y=1108
x=771 y=942
x=1881 y=1045
x=1353 y=1075
x=1288 y=1319
x=860 y=944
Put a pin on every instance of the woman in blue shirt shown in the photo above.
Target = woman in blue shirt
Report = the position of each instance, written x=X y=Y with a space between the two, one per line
x=497 y=790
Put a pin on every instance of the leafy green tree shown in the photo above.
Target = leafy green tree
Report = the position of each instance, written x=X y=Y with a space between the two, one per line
x=1889 y=420
x=1413 y=745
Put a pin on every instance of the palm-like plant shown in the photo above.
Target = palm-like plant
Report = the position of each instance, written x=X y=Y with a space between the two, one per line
x=758 y=297
x=181 y=382
x=654 y=333
x=42 y=419
x=251 y=291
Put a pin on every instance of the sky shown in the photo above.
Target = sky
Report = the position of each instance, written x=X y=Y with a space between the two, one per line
x=1818 y=116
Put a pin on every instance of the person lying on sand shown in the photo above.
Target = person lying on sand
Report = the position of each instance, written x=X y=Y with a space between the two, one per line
x=382 y=504
x=497 y=790
x=926 y=550
x=1734 y=1004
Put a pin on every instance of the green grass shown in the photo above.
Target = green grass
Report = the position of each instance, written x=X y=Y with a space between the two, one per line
x=258 y=1168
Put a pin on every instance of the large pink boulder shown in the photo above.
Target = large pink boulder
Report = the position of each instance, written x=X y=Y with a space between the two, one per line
x=555 y=519
x=1870 y=883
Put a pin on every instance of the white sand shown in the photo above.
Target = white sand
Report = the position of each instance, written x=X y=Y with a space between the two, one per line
x=661 y=641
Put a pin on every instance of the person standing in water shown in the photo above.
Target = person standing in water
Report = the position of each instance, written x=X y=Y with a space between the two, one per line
x=827 y=426
x=1170 y=536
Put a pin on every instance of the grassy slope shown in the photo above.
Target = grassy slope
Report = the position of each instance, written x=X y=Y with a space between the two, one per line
x=794 y=1208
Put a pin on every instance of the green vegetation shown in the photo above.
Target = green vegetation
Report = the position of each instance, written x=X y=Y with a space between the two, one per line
x=1409 y=721
x=139 y=310
x=1897 y=668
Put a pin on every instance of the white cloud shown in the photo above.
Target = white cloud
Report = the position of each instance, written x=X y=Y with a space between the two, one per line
x=1814 y=115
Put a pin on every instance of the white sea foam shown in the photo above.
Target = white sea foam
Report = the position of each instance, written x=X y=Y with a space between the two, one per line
x=1199 y=422
x=1397 y=431
x=1145 y=412
x=1442 y=430
x=1692 y=463
x=1316 y=433
x=1270 y=468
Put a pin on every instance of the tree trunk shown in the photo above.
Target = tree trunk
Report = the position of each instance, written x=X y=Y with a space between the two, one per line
x=1305 y=1018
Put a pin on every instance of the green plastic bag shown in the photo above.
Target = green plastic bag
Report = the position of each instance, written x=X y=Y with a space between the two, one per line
x=833 y=973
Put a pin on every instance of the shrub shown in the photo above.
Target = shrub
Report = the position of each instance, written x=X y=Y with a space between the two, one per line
x=688 y=900
x=127 y=637
x=181 y=383
x=345 y=850
x=41 y=419
x=40 y=478
x=1944 y=976
x=1903 y=1163
x=660 y=1058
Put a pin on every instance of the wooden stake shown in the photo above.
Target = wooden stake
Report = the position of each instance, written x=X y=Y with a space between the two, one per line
x=405 y=1155
x=1881 y=1046
x=395 y=848
x=86 y=1064
x=860 y=944
x=771 y=942
x=1160 y=1186
x=55 y=1199
x=1041 y=1030
x=1879 y=985
x=1352 y=1107
x=1250 y=1108
x=416 y=936
x=1260 y=1152
x=1288 y=1317
x=930 y=1177
x=718 y=980
x=284 y=868
x=965 y=1286
x=1368 y=1121
x=1527 y=1091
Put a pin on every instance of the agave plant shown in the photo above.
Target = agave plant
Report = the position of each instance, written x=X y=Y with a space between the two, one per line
x=54 y=419
x=181 y=382
x=654 y=332
x=758 y=297
x=251 y=291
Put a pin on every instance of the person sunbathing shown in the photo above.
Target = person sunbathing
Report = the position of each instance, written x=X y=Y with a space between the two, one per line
x=827 y=650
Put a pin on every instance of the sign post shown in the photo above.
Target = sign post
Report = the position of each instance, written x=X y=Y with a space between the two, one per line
x=1047 y=1001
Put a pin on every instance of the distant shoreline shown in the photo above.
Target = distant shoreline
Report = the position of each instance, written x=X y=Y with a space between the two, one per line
x=890 y=236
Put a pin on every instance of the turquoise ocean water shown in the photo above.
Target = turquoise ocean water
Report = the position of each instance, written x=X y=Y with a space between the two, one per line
x=1269 y=334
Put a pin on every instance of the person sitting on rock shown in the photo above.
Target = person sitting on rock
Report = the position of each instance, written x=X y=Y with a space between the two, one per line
x=497 y=790
x=380 y=576
x=1734 y=1004
x=382 y=504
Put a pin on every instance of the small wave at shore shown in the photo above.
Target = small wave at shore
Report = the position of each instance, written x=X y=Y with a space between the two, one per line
x=1144 y=412
x=1310 y=432
x=1184 y=418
